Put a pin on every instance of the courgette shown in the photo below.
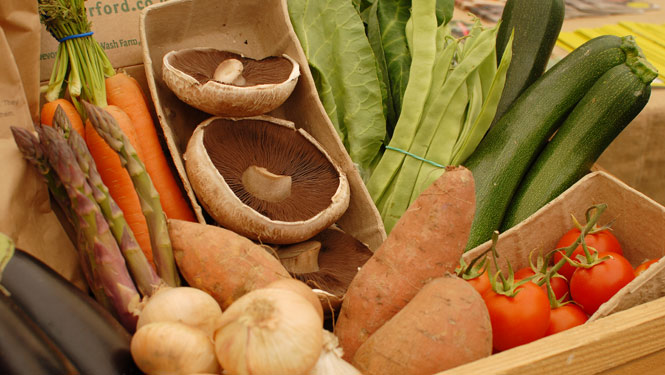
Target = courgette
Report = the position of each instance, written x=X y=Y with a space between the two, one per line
x=85 y=332
x=604 y=111
x=24 y=348
x=513 y=143
x=536 y=26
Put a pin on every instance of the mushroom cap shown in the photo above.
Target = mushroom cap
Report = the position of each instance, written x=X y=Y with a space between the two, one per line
x=221 y=150
x=339 y=257
x=269 y=81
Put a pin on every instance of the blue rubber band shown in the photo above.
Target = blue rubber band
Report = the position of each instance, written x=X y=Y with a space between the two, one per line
x=75 y=36
x=415 y=156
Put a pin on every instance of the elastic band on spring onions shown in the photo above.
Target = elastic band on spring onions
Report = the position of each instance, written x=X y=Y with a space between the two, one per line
x=415 y=156
x=75 y=36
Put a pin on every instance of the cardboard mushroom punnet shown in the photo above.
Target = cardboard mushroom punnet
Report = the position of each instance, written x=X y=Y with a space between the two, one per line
x=300 y=191
x=224 y=83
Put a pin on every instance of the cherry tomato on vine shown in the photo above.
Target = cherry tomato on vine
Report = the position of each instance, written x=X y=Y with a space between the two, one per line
x=565 y=317
x=481 y=283
x=519 y=319
x=603 y=240
x=559 y=284
x=591 y=287
x=644 y=266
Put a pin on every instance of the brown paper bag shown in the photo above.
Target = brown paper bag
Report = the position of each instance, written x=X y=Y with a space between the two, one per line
x=26 y=216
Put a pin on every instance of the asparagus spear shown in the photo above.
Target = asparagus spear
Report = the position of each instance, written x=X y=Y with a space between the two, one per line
x=108 y=265
x=109 y=130
x=142 y=272
x=32 y=151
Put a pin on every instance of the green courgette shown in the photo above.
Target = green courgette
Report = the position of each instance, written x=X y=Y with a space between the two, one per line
x=513 y=143
x=604 y=111
x=536 y=25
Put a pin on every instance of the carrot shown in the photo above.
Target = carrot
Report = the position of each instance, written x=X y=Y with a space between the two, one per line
x=445 y=325
x=117 y=179
x=125 y=92
x=221 y=262
x=426 y=242
x=48 y=111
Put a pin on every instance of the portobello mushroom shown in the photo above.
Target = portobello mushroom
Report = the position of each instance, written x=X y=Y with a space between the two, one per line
x=264 y=179
x=224 y=83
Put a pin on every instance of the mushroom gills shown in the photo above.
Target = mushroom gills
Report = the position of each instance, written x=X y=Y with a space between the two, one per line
x=266 y=185
x=264 y=157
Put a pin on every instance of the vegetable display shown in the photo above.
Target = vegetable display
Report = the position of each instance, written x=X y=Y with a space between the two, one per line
x=455 y=138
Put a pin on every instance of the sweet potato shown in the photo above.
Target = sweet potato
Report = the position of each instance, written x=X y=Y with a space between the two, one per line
x=221 y=262
x=426 y=242
x=444 y=326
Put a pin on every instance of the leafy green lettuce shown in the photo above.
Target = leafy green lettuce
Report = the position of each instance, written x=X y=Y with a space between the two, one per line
x=344 y=68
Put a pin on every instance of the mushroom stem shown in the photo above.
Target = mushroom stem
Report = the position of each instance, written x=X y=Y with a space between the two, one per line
x=302 y=257
x=266 y=185
x=230 y=71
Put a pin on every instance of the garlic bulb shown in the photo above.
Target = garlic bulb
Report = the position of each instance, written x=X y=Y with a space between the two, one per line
x=330 y=362
x=173 y=348
x=187 y=305
x=271 y=332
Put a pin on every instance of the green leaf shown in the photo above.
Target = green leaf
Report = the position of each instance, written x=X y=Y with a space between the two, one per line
x=393 y=15
x=444 y=11
x=374 y=36
x=333 y=38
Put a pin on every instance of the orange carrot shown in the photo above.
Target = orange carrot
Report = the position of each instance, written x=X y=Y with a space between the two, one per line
x=116 y=178
x=48 y=111
x=125 y=92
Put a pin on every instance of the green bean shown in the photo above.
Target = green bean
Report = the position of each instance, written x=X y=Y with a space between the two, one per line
x=484 y=120
x=423 y=53
x=450 y=124
x=432 y=133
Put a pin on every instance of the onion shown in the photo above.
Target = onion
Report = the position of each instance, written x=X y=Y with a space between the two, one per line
x=173 y=348
x=269 y=331
x=301 y=288
x=331 y=362
x=187 y=305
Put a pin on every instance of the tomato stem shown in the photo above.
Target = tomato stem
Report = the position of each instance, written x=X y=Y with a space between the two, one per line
x=592 y=214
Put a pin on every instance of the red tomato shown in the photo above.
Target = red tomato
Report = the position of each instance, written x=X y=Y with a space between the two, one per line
x=520 y=319
x=601 y=241
x=643 y=267
x=565 y=317
x=591 y=287
x=481 y=283
x=559 y=285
